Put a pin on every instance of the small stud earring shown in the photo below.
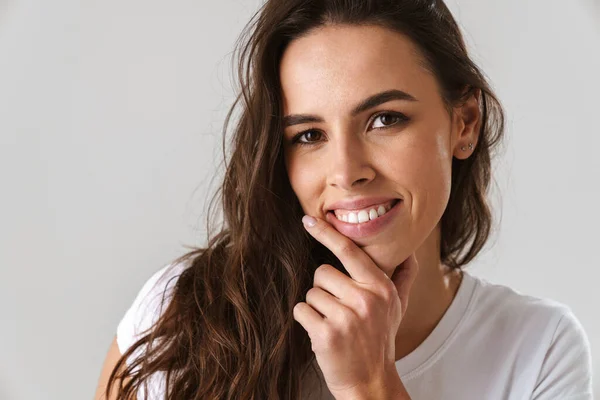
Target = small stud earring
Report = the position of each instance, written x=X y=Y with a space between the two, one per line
x=470 y=147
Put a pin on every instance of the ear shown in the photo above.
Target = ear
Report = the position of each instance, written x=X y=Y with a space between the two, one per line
x=467 y=122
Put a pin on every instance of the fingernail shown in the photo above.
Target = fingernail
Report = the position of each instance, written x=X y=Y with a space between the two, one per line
x=309 y=221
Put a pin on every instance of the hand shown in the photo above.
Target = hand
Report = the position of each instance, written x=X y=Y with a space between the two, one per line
x=352 y=322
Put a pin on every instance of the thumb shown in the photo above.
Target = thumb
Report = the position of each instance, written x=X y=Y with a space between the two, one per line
x=403 y=278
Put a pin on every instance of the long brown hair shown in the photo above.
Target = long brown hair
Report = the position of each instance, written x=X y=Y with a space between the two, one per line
x=228 y=330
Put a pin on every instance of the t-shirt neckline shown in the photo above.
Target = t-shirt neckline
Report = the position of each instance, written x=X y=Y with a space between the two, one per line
x=430 y=349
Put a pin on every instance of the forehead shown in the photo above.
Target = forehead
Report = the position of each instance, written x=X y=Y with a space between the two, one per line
x=343 y=64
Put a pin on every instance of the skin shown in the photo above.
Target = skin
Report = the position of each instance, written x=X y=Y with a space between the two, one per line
x=327 y=73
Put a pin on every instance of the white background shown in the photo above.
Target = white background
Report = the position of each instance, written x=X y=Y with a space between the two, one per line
x=110 y=126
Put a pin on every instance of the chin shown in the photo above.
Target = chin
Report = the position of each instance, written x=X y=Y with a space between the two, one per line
x=386 y=260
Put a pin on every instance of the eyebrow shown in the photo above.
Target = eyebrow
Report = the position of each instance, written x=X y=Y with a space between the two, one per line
x=369 y=102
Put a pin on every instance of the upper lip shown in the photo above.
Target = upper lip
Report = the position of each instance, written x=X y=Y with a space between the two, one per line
x=358 y=203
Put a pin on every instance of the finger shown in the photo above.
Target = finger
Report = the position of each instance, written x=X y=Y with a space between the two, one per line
x=324 y=303
x=310 y=320
x=358 y=264
x=403 y=277
x=334 y=281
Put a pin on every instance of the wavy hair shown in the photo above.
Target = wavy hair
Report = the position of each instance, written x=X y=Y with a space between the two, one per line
x=228 y=330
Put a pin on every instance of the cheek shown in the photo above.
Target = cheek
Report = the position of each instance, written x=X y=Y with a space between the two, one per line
x=425 y=168
x=304 y=183
x=436 y=165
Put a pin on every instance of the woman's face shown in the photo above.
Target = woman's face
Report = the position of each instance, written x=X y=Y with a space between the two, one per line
x=399 y=146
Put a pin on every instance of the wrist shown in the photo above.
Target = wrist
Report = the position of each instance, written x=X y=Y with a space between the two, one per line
x=390 y=388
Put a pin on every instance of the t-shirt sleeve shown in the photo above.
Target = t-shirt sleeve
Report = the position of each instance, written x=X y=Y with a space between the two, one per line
x=566 y=372
x=147 y=306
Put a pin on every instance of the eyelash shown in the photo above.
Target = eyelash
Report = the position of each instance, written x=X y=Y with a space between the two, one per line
x=401 y=118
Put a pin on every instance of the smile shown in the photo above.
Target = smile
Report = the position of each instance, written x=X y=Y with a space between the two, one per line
x=357 y=224
x=364 y=215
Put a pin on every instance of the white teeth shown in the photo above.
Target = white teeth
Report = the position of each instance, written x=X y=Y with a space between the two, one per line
x=373 y=214
x=352 y=218
x=363 y=215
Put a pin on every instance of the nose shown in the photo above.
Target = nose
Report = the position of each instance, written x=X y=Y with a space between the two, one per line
x=349 y=164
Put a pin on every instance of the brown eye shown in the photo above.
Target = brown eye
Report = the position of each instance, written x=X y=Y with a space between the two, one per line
x=389 y=119
x=309 y=136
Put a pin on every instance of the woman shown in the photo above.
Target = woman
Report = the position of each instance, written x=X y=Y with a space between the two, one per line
x=367 y=121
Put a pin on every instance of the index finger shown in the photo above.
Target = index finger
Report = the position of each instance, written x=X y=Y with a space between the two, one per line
x=358 y=263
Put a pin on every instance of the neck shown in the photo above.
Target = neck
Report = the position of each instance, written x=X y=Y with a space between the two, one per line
x=430 y=296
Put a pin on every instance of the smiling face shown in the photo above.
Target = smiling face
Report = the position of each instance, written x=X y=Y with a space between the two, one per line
x=398 y=145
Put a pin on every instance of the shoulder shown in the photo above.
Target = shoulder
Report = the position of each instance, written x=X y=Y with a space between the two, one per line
x=506 y=305
x=544 y=331
x=148 y=304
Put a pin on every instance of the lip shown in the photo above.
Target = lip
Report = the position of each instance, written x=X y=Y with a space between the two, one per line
x=358 y=204
x=358 y=231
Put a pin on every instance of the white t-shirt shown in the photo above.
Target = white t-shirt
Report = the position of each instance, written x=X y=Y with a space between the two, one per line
x=492 y=343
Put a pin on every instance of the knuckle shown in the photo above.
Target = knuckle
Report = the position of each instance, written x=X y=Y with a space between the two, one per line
x=311 y=294
x=365 y=303
x=322 y=271
x=297 y=310
x=389 y=292
x=347 y=247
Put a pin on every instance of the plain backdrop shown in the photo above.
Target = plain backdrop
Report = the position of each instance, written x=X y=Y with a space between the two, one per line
x=110 y=126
